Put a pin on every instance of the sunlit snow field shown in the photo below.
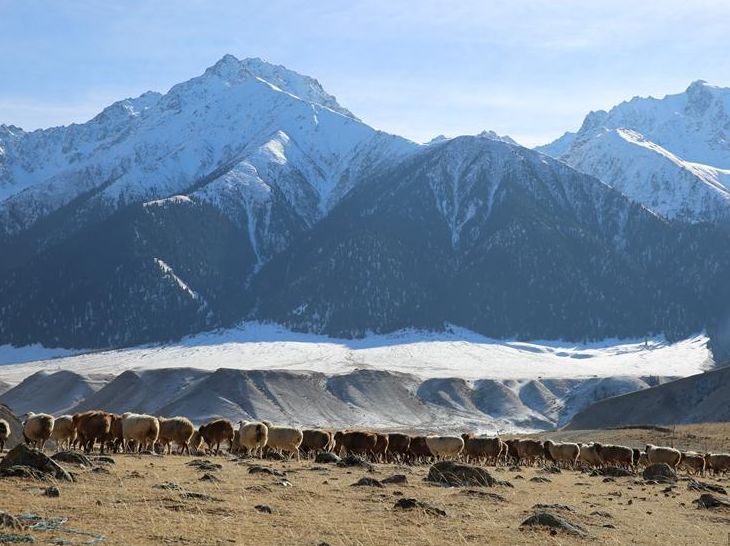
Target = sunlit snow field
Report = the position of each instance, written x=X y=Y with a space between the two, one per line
x=456 y=353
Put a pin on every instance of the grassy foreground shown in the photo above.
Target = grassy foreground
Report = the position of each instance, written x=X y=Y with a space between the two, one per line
x=317 y=504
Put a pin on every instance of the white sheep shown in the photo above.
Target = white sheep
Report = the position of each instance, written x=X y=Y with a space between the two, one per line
x=143 y=429
x=64 y=432
x=38 y=428
x=668 y=455
x=4 y=433
x=285 y=439
x=253 y=436
x=445 y=446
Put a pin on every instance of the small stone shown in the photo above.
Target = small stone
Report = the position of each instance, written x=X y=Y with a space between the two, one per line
x=367 y=482
x=263 y=508
x=52 y=492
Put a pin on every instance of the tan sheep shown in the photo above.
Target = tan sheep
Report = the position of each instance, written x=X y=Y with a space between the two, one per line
x=64 y=432
x=37 y=429
x=253 y=436
x=285 y=439
x=4 y=433
x=178 y=430
x=563 y=453
x=444 y=447
x=658 y=454
x=143 y=429
x=589 y=455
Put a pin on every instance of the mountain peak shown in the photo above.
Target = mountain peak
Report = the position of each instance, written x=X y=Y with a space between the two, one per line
x=233 y=70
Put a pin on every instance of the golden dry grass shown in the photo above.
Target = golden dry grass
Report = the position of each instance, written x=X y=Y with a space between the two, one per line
x=322 y=506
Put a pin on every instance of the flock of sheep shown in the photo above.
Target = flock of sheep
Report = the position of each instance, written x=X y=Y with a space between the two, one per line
x=137 y=432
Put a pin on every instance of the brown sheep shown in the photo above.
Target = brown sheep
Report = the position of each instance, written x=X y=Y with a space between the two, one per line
x=529 y=451
x=196 y=443
x=693 y=463
x=481 y=449
x=418 y=450
x=216 y=432
x=316 y=441
x=380 y=452
x=355 y=442
x=610 y=455
x=398 y=445
x=92 y=426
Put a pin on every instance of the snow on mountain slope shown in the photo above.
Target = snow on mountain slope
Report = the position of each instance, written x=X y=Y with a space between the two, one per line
x=157 y=145
x=410 y=380
x=455 y=353
x=672 y=154
x=653 y=176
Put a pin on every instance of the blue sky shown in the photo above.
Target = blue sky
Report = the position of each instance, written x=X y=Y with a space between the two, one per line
x=530 y=68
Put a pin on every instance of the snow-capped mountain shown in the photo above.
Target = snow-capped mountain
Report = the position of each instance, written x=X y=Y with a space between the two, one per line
x=240 y=125
x=671 y=154
x=249 y=192
x=493 y=237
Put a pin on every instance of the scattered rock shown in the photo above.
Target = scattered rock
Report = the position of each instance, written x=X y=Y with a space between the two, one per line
x=52 y=492
x=199 y=496
x=168 y=486
x=205 y=465
x=21 y=455
x=326 y=458
x=207 y=477
x=102 y=459
x=708 y=500
x=258 y=469
x=554 y=522
x=7 y=538
x=264 y=508
x=367 y=482
x=601 y=514
x=609 y=479
x=101 y=470
x=72 y=457
x=283 y=483
x=19 y=471
x=274 y=456
x=483 y=495
x=543 y=507
x=551 y=469
x=395 y=478
x=459 y=475
x=540 y=479
x=410 y=504
x=612 y=471
x=660 y=473
x=355 y=460
x=10 y=521
x=515 y=469
x=518 y=477
x=695 y=485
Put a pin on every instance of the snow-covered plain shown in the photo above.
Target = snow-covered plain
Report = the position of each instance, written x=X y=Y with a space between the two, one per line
x=456 y=353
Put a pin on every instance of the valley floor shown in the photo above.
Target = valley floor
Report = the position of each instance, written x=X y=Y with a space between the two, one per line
x=317 y=504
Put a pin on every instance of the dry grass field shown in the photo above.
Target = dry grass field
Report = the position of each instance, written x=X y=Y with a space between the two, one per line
x=315 y=504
